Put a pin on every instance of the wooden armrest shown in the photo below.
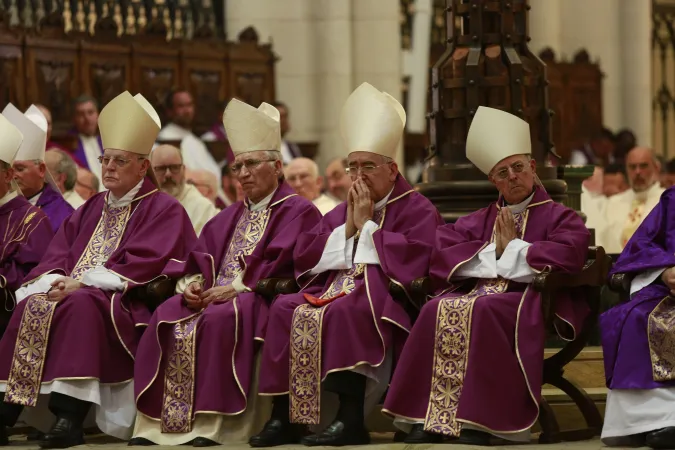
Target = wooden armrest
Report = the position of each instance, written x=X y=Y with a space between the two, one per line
x=594 y=273
x=620 y=283
x=287 y=286
x=271 y=287
x=154 y=293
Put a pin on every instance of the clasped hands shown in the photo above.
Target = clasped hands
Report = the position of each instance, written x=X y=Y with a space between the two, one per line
x=360 y=207
x=505 y=230
x=62 y=287
x=196 y=300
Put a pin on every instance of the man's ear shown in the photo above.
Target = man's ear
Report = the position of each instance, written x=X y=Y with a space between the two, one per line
x=394 y=171
x=319 y=181
x=42 y=168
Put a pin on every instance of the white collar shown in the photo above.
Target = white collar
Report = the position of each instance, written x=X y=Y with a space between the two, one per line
x=9 y=196
x=382 y=203
x=520 y=207
x=262 y=204
x=126 y=198
x=651 y=190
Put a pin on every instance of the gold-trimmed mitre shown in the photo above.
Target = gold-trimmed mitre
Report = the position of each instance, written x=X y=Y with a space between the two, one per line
x=129 y=123
x=33 y=126
x=10 y=140
x=252 y=129
x=372 y=121
x=495 y=135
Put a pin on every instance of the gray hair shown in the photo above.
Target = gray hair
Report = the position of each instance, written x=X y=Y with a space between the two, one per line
x=85 y=99
x=313 y=167
x=67 y=166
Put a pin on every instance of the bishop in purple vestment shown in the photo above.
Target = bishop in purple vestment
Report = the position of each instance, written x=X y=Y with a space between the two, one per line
x=638 y=335
x=75 y=330
x=211 y=327
x=341 y=333
x=473 y=361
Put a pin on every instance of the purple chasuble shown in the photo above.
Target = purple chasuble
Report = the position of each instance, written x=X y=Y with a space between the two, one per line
x=637 y=335
x=25 y=233
x=476 y=351
x=93 y=333
x=304 y=343
x=215 y=347
x=54 y=206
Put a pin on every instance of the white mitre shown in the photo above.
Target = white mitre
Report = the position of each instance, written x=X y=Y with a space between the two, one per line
x=372 y=121
x=9 y=144
x=252 y=129
x=495 y=135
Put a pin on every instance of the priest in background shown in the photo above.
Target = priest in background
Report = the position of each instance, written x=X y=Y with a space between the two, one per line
x=341 y=332
x=624 y=212
x=72 y=339
x=637 y=338
x=64 y=171
x=212 y=325
x=25 y=232
x=30 y=170
x=167 y=163
x=89 y=146
x=472 y=366
x=337 y=179
x=87 y=184
x=302 y=174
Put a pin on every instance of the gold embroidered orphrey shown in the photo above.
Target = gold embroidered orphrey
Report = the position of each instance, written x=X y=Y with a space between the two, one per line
x=451 y=348
x=661 y=340
x=178 y=399
x=30 y=351
x=305 y=354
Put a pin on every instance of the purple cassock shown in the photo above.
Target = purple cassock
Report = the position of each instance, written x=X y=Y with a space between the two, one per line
x=637 y=336
x=192 y=362
x=25 y=233
x=79 y=155
x=475 y=354
x=304 y=343
x=54 y=206
x=93 y=333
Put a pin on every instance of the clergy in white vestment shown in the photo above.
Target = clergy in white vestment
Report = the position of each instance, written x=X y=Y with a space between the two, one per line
x=167 y=163
x=592 y=199
x=623 y=213
x=64 y=171
x=303 y=176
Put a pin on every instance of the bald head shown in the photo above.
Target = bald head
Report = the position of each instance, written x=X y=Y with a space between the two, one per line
x=166 y=151
x=205 y=182
x=87 y=184
x=642 y=168
x=62 y=168
x=303 y=176
x=167 y=163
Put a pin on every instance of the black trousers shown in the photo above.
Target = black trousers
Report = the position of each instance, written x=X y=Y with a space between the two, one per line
x=60 y=405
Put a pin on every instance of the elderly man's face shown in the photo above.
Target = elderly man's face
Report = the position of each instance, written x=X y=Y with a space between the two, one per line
x=86 y=118
x=30 y=176
x=337 y=180
x=84 y=185
x=378 y=173
x=6 y=176
x=122 y=170
x=299 y=175
x=257 y=173
x=642 y=169
x=183 y=111
x=514 y=178
x=169 y=170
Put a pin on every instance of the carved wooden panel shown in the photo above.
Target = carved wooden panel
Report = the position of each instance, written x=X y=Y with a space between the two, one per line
x=105 y=70
x=155 y=74
x=53 y=78
x=12 y=75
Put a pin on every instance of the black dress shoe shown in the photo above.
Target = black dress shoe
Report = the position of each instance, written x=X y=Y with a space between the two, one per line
x=399 y=436
x=64 y=434
x=4 y=440
x=661 y=439
x=35 y=435
x=203 y=442
x=141 y=442
x=276 y=432
x=418 y=436
x=338 y=434
x=475 y=437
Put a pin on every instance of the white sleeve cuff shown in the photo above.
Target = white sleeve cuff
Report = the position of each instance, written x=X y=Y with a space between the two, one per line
x=102 y=278
x=513 y=263
x=482 y=265
x=239 y=285
x=184 y=282
x=338 y=252
x=644 y=279
x=366 y=253
x=40 y=286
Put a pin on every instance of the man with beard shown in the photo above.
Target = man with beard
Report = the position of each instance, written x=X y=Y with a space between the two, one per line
x=73 y=335
x=30 y=170
x=167 y=163
x=212 y=325
x=341 y=331
x=472 y=366
x=623 y=213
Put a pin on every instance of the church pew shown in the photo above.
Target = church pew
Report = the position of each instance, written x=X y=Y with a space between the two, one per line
x=592 y=278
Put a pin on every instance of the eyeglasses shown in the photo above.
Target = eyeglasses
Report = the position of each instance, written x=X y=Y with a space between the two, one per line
x=173 y=168
x=366 y=169
x=503 y=174
x=250 y=164
x=119 y=162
